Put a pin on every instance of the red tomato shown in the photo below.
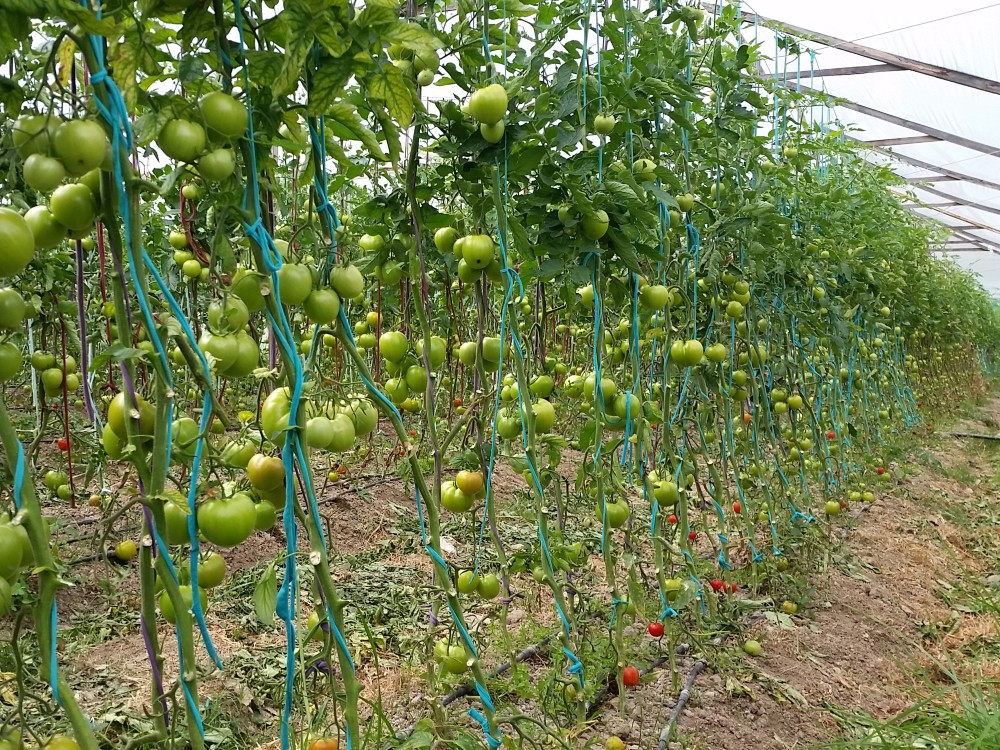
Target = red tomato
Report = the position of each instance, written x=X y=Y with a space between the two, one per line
x=831 y=435
x=737 y=508
x=692 y=535
x=716 y=584
x=457 y=402
x=732 y=588
x=880 y=470
x=671 y=518
x=655 y=629
x=63 y=444
x=630 y=676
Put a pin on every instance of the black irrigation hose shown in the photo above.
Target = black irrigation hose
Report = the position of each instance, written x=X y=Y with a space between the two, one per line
x=108 y=555
x=611 y=685
x=845 y=532
x=682 y=699
x=977 y=435
x=602 y=695
x=353 y=490
x=469 y=688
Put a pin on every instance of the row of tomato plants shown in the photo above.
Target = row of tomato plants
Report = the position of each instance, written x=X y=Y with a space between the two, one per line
x=728 y=335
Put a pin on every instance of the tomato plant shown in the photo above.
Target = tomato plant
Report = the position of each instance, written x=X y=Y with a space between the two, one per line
x=257 y=257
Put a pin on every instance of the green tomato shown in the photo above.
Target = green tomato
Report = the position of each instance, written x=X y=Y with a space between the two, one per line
x=227 y=522
x=595 y=225
x=182 y=140
x=167 y=606
x=80 y=145
x=489 y=104
x=224 y=114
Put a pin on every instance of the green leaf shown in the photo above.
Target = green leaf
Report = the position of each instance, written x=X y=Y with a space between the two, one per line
x=568 y=137
x=169 y=183
x=520 y=465
x=421 y=739
x=346 y=114
x=335 y=150
x=12 y=96
x=550 y=267
x=222 y=251
x=517 y=237
x=85 y=18
x=389 y=86
x=663 y=196
x=625 y=252
x=527 y=159
x=742 y=55
x=190 y=69
x=116 y=353
x=149 y=125
x=14 y=28
x=568 y=103
x=199 y=23
x=391 y=133
x=620 y=193
x=431 y=218
x=265 y=596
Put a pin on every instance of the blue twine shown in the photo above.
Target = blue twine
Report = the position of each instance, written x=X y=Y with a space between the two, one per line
x=19 y=471
x=116 y=115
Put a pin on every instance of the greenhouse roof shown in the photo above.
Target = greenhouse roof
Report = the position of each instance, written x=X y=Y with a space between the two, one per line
x=918 y=82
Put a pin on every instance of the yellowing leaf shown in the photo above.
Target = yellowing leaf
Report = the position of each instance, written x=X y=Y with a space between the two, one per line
x=389 y=86
x=64 y=66
x=412 y=36
x=7 y=693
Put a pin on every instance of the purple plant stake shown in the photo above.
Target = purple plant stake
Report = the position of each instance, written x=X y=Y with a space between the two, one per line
x=82 y=319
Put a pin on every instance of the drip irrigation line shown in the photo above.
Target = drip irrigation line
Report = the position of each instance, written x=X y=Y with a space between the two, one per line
x=682 y=699
x=469 y=688
x=855 y=518
x=348 y=491
x=606 y=692
x=977 y=435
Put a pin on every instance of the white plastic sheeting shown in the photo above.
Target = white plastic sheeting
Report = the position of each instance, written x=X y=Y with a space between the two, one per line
x=961 y=35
